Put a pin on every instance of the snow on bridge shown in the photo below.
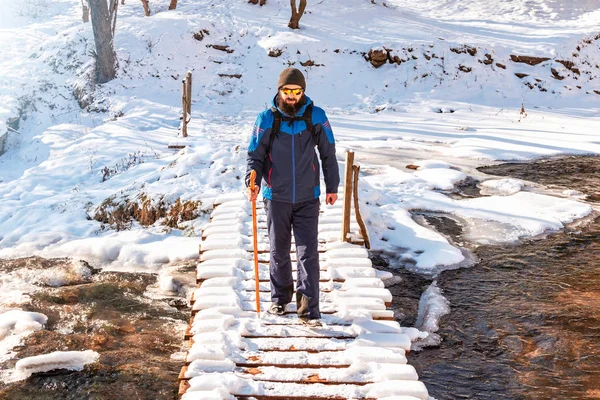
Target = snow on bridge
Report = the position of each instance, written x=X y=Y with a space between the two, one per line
x=235 y=353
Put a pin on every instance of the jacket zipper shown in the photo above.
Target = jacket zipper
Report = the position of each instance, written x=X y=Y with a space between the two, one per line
x=293 y=165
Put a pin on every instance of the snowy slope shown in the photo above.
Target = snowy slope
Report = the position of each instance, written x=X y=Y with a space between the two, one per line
x=436 y=101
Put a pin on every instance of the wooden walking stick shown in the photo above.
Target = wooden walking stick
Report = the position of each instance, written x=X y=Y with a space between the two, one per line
x=255 y=236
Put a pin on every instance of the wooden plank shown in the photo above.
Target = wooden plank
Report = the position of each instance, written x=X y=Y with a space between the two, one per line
x=347 y=195
x=308 y=335
x=337 y=280
x=293 y=344
x=361 y=223
x=295 y=366
x=311 y=380
x=303 y=391
x=182 y=373
x=184 y=385
x=267 y=397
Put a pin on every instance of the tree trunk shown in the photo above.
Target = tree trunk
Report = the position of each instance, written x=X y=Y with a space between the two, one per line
x=173 y=5
x=85 y=16
x=296 y=13
x=146 y=7
x=106 y=58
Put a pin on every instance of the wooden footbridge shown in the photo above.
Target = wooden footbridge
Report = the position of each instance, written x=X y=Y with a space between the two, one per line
x=237 y=353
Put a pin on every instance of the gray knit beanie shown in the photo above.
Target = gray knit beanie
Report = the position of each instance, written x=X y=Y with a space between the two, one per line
x=291 y=76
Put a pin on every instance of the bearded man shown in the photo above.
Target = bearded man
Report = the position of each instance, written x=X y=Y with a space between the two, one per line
x=282 y=152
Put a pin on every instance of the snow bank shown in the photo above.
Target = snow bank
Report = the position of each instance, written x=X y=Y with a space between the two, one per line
x=15 y=325
x=71 y=360
x=432 y=307
x=502 y=187
x=20 y=321
x=70 y=273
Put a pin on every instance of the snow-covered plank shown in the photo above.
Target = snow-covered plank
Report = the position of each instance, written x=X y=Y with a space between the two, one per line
x=264 y=275
x=249 y=285
x=358 y=348
x=281 y=331
x=227 y=197
x=317 y=390
x=355 y=374
x=250 y=305
x=225 y=253
x=337 y=227
x=352 y=272
x=293 y=344
x=356 y=262
x=240 y=228
x=383 y=340
x=221 y=271
x=352 y=252
x=354 y=283
x=378 y=293
x=235 y=241
x=343 y=357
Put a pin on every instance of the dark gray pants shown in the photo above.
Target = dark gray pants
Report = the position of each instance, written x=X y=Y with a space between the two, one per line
x=304 y=218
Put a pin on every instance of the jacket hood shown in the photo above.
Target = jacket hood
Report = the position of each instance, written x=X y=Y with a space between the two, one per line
x=302 y=109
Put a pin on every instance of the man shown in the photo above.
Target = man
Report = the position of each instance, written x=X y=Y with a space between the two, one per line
x=282 y=152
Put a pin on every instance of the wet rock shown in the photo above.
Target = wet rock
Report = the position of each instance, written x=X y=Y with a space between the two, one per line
x=275 y=52
x=556 y=74
x=528 y=59
x=464 y=50
x=488 y=59
x=378 y=260
x=444 y=224
x=377 y=56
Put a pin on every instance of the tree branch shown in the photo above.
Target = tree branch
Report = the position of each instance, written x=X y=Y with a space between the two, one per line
x=113 y=15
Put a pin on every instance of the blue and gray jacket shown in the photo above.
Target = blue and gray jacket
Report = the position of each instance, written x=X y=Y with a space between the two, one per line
x=291 y=169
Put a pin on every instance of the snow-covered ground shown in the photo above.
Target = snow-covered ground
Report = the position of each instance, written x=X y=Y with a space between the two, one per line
x=449 y=103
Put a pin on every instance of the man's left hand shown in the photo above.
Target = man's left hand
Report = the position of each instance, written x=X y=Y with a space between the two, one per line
x=331 y=198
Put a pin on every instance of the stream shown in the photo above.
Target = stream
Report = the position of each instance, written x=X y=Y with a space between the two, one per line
x=525 y=320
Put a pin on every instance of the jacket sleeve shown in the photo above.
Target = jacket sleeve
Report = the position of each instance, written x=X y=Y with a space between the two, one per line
x=257 y=149
x=326 y=146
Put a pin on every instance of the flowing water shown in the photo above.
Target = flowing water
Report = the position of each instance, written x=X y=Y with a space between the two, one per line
x=525 y=320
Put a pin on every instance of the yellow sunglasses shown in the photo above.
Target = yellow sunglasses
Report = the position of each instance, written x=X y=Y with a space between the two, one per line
x=295 y=92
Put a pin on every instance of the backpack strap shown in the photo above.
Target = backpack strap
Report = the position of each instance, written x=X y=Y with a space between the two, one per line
x=275 y=128
x=307 y=117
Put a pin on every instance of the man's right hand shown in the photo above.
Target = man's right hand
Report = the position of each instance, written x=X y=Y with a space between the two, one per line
x=252 y=195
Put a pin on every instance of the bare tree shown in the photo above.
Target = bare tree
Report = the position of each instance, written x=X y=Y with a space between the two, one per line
x=146 y=5
x=173 y=5
x=85 y=11
x=296 y=14
x=104 y=19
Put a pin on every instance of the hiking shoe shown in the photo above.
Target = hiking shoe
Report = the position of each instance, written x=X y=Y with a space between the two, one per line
x=276 y=309
x=311 y=323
